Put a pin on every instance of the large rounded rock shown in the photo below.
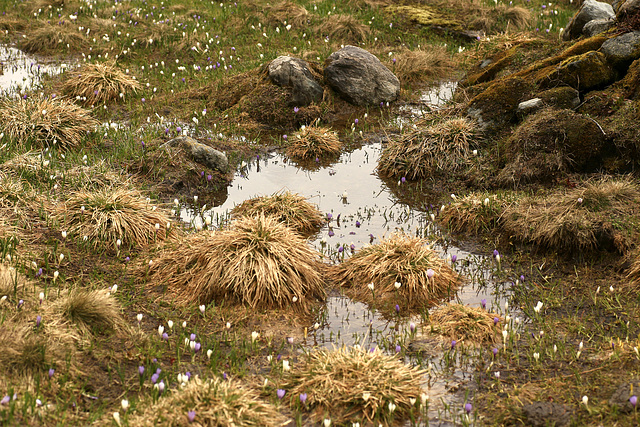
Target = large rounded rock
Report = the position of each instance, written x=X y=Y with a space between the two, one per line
x=200 y=153
x=597 y=26
x=294 y=73
x=360 y=78
x=623 y=49
x=582 y=72
x=589 y=11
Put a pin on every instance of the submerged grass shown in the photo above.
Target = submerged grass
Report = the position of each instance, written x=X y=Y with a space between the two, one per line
x=355 y=385
x=257 y=261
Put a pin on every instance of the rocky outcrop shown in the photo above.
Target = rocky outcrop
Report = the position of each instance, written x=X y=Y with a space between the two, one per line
x=582 y=72
x=589 y=11
x=597 y=26
x=622 y=50
x=200 y=153
x=294 y=73
x=360 y=78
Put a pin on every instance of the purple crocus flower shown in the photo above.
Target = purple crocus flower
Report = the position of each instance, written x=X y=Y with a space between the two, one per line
x=495 y=352
x=141 y=370
x=51 y=372
x=358 y=224
x=5 y=400
x=340 y=249
x=280 y=392
x=165 y=336
x=38 y=320
x=633 y=400
x=484 y=303
x=192 y=337
x=496 y=320
x=154 y=378
x=303 y=397
x=191 y=416
x=453 y=344
x=398 y=348
x=397 y=308
x=467 y=408
x=454 y=258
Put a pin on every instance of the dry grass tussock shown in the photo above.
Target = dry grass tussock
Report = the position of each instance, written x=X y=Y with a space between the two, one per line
x=413 y=66
x=12 y=284
x=111 y=214
x=355 y=385
x=43 y=121
x=257 y=261
x=96 y=84
x=291 y=209
x=500 y=18
x=49 y=38
x=465 y=324
x=314 y=141
x=81 y=313
x=400 y=258
x=343 y=29
x=443 y=147
x=599 y=214
x=287 y=12
x=216 y=403
x=475 y=212
x=24 y=352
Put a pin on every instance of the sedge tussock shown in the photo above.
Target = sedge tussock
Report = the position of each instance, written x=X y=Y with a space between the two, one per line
x=12 y=282
x=343 y=28
x=314 y=141
x=109 y=215
x=216 y=402
x=44 y=121
x=257 y=261
x=444 y=147
x=465 y=324
x=599 y=214
x=414 y=66
x=355 y=385
x=49 y=38
x=88 y=311
x=23 y=351
x=95 y=84
x=287 y=12
x=291 y=209
x=475 y=212
x=400 y=258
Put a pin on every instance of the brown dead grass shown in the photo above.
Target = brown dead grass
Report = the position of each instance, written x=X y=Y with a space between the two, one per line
x=257 y=261
x=475 y=212
x=51 y=38
x=344 y=29
x=95 y=84
x=414 y=66
x=399 y=258
x=604 y=218
x=45 y=122
x=287 y=12
x=446 y=146
x=314 y=141
x=355 y=385
x=291 y=209
x=216 y=402
x=112 y=214
x=465 y=324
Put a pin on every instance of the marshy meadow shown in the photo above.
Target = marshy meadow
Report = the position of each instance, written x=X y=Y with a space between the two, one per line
x=319 y=213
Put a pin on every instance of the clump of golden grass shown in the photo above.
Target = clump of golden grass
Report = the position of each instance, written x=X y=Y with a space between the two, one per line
x=44 y=121
x=475 y=212
x=257 y=261
x=112 y=214
x=596 y=215
x=11 y=281
x=291 y=209
x=355 y=385
x=446 y=146
x=51 y=37
x=216 y=403
x=465 y=324
x=423 y=65
x=314 y=141
x=89 y=311
x=344 y=28
x=96 y=84
x=287 y=12
x=399 y=258
x=23 y=352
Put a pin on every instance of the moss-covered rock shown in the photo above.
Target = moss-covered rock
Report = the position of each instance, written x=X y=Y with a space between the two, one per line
x=560 y=97
x=630 y=84
x=496 y=106
x=549 y=143
x=582 y=72
x=425 y=15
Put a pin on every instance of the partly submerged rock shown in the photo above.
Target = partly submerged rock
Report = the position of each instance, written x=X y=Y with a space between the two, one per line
x=294 y=73
x=620 y=397
x=496 y=106
x=360 y=78
x=540 y=414
x=622 y=50
x=589 y=11
x=200 y=153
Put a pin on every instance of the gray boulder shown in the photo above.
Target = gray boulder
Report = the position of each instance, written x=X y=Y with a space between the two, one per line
x=597 y=26
x=294 y=73
x=360 y=78
x=623 y=49
x=625 y=8
x=589 y=11
x=620 y=397
x=200 y=153
x=529 y=106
